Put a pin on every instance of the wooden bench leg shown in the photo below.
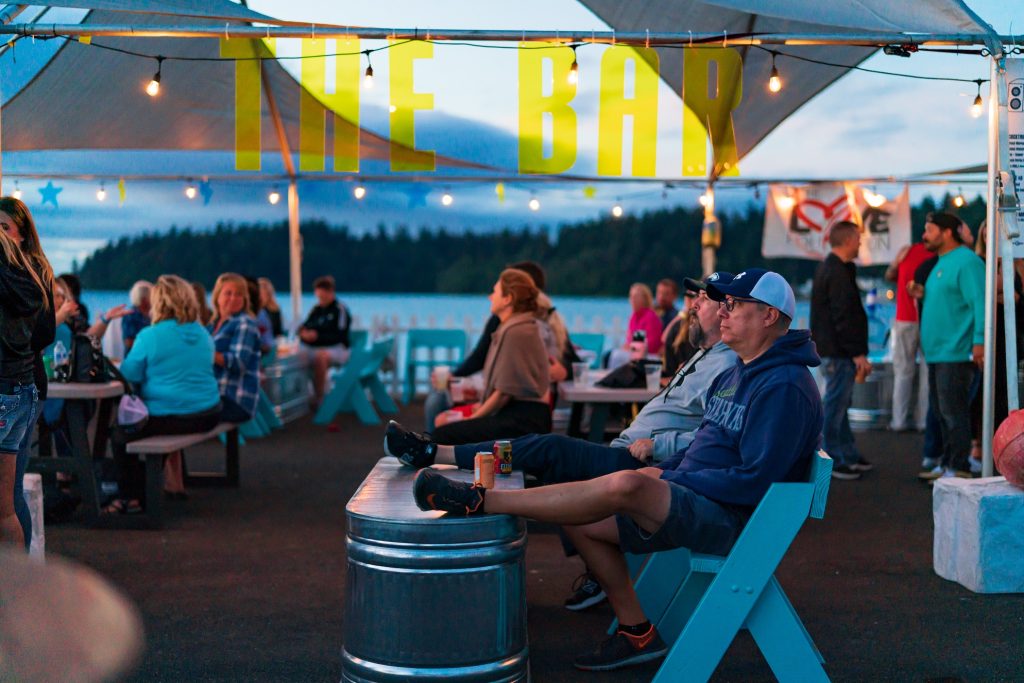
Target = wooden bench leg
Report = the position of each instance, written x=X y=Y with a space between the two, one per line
x=231 y=459
x=155 y=489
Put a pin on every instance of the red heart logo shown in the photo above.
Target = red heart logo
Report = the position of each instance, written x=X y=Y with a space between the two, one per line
x=830 y=213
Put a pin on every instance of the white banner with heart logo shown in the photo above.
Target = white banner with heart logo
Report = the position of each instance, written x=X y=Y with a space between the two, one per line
x=798 y=219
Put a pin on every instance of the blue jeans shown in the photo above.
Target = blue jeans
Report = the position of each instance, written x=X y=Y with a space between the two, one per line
x=555 y=459
x=436 y=403
x=838 y=439
x=17 y=417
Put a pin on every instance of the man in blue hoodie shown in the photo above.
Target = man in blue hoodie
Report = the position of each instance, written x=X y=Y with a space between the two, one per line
x=761 y=426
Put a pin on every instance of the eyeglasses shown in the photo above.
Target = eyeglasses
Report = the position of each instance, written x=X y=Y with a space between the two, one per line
x=730 y=302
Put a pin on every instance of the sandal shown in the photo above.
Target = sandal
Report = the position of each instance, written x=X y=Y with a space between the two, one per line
x=123 y=507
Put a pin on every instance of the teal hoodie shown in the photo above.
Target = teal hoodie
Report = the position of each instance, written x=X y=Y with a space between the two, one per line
x=172 y=362
x=954 y=319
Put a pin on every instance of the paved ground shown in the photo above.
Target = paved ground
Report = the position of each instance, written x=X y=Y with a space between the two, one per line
x=248 y=584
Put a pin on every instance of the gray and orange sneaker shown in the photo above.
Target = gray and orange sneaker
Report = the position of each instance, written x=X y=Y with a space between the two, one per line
x=434 y=491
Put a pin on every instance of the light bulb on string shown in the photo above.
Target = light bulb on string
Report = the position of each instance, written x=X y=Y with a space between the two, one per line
x=359 y=192
x=153 y=89
x=706 y=199
x=190 y=190
x=958 y=200
x=774 y=81
x=17 y=191
x=978 y=107
x=447 y=198
x=274 y=197
x=617 y=210
x=101 y=194
x=874 y=199
x=574 y=69
x=534 y=204
x=368 y=74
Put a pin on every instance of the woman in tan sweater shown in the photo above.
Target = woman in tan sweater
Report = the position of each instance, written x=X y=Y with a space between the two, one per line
x=516 y=379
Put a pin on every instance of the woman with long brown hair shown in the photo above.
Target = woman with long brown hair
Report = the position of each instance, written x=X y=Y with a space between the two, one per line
x=27 y=326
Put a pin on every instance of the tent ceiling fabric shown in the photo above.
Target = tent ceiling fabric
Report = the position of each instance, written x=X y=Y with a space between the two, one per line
x=759 y=111
x=91 y=98
x=196 y=9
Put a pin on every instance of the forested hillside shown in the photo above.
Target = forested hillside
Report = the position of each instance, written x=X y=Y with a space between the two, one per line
x=598 y=257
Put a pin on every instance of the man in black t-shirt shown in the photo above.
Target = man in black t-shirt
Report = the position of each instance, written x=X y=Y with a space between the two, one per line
x=324 y=335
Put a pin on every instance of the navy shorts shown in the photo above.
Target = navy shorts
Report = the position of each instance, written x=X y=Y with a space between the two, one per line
x=693 y=522
x=15 y=417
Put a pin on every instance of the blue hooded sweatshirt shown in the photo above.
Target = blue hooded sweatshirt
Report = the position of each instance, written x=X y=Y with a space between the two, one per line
x=762 y=425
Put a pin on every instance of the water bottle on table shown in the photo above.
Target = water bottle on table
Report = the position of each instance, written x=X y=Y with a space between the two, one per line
x=61 y=363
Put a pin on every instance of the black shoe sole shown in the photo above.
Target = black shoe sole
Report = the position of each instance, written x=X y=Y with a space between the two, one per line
x=638 y=658
x=589 y=602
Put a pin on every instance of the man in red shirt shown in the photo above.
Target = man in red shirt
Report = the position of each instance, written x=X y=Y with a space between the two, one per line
x=906 y=342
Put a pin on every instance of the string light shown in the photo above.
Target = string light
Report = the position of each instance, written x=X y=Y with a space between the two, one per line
x=958 y=200
x=17 y=191
x=574 y=70
x=774 y=81
x=447 y=198
x=617 y=210
x=978 y=107
x=274 y=197
x=874 y=199
x=101 y=194
x=153 y=89
x=359 y=192
x=706 y=199
x=534 y=204
x=368 y=74
x=190 y=190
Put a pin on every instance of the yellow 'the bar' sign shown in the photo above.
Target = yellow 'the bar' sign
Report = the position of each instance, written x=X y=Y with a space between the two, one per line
x=548 y=125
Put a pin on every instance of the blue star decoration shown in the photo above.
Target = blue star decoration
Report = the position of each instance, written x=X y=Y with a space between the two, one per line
x=50 y=193
x=206 y=191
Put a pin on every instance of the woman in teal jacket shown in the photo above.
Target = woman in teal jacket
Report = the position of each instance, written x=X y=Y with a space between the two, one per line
x=171 y=364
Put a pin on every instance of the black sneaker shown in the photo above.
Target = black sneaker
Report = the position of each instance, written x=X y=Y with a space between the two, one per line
x=862 y=465
x=412 y=449
x=434 y=491
x=846 y=472
x=586 y=593
x=619 y=650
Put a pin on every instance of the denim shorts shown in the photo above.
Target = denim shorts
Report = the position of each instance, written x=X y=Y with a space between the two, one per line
x=693 y=522
x=15 y=416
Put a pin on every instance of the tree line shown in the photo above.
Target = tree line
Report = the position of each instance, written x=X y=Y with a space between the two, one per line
x=596 y=257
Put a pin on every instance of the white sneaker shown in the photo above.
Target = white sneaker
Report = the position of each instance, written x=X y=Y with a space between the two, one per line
x=929 y=463
x=975 y=464
x=933 y=473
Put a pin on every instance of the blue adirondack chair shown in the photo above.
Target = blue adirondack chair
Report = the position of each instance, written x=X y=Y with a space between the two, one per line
x=700 y=611
x=590 y=341
x=452 y=341
x=349 y=390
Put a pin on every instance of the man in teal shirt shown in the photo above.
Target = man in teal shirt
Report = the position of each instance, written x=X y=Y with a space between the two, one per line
x=952 y=338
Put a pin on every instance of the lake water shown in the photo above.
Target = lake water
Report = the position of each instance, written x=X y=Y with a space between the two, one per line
x=470 y=311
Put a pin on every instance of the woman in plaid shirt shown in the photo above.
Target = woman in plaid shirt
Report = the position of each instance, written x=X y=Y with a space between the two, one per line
x=236 y=338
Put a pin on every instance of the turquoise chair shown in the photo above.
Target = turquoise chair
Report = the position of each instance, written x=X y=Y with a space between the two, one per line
x=358 y=339
x=700 y=611
x=454 y=341
x=591 y=341
x=350 y=385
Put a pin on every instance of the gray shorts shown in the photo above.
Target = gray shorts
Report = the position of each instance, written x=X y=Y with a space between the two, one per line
x=693 y=522
x=339 y=353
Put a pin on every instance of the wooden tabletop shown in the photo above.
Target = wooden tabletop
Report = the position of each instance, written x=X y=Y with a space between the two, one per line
x=84 y=390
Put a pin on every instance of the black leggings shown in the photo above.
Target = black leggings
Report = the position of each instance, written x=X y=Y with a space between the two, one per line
x=517 y=418
x=131 y=473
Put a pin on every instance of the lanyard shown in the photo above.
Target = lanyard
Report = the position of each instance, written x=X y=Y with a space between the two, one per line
x=677 y=381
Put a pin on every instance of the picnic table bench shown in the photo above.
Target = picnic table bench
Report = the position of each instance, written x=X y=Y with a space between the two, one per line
x=154 y=448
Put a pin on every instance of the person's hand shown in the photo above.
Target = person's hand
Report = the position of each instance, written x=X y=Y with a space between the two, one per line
x=68 y=308
x=642 y=449
x=863 y=365
x=119 y=311
x=915 y=290
x=308 y=336
x=978 y=355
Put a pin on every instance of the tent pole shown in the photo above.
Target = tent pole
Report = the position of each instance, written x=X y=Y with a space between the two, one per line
x=991 y=255
x=7 y=15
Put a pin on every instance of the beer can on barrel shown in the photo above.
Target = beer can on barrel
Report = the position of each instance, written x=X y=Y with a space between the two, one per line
x=483 y=470
x=503 y=457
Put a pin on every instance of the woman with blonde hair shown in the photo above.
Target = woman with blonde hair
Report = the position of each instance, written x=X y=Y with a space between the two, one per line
x=268 y=303
x=171 y=363
x=236 y=337
x=27 y=325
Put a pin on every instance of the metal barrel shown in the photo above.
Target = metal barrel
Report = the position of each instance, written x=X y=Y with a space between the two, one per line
x=871 y=406
x=430 y=597
x=286 y=382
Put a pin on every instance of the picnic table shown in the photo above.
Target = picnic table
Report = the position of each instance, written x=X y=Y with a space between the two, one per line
x=600 y=399
x=77 y=399
x=407 y=568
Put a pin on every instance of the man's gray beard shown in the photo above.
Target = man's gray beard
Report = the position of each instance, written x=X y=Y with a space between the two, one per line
x=696 y=334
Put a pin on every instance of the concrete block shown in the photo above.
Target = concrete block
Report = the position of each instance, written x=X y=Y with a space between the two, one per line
x=979 y=534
